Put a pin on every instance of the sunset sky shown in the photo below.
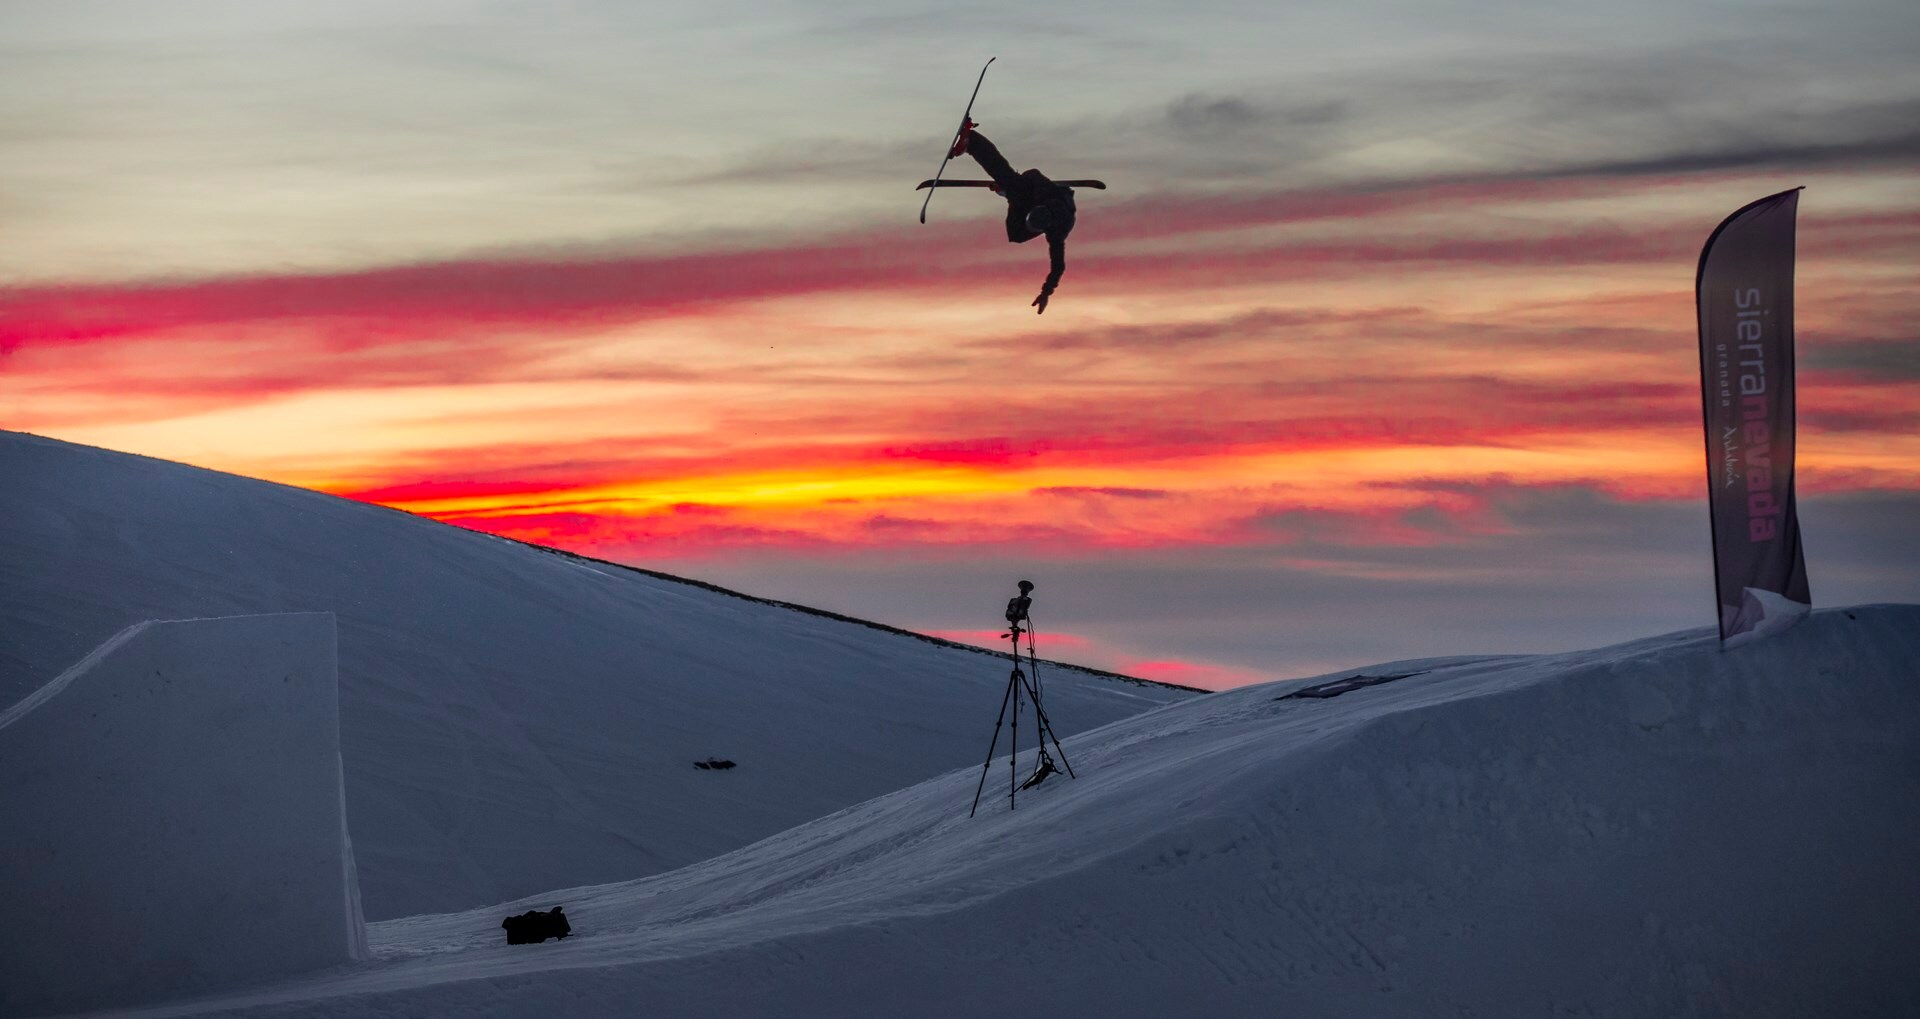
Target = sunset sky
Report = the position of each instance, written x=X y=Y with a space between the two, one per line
x=1381 y=343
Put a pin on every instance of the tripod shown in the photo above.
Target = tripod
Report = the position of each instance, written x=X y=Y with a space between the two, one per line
x=1017 y=682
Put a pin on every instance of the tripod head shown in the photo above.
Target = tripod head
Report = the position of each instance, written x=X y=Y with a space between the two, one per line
x=1018 y=605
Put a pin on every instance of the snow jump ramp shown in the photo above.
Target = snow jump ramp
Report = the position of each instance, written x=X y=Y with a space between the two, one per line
x=174 y=817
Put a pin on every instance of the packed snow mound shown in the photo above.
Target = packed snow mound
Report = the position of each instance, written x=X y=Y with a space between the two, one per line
x=1657 y=828
x=511 y=718
x=174 y=817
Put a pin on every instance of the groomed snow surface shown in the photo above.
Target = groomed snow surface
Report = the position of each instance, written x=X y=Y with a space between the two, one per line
x=1653 y=829
x=1659 y=828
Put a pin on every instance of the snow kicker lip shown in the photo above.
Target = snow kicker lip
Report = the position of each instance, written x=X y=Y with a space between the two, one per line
x=1321 y=691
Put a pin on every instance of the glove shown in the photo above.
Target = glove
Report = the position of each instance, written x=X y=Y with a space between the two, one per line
x=1040 y=303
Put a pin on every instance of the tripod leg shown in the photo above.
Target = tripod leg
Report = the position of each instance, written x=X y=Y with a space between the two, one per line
x=996 y=742
x=1013 y=777
x=1046 y=730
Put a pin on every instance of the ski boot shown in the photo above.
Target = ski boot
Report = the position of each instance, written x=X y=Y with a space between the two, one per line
x=960 y=144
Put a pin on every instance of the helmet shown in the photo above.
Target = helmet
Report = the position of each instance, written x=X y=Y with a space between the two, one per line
x=1040 y=217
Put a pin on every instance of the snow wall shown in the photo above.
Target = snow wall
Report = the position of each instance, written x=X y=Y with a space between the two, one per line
x=174 y=817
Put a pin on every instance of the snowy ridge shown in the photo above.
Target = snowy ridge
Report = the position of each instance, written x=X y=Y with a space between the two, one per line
x=597 y=565
x=1656 y=828
x=511 y=719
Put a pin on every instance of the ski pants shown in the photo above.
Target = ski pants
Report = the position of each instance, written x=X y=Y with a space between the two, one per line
x=1019 y=189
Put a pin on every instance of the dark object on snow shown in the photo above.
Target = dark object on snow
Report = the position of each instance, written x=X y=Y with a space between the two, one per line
x=713 y=764
x=1340 y=686
x=533 y=926
x=1041 y=772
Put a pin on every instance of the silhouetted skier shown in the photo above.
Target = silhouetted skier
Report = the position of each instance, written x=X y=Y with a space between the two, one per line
x=1035 y=205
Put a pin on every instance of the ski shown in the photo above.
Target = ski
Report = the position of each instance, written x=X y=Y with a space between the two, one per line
x=1097 y=185
x=956 y=137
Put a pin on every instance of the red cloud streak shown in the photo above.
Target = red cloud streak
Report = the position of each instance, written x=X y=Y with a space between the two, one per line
x=381 y=306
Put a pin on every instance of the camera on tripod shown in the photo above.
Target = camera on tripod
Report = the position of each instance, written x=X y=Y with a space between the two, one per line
x=1018 y=606
x=1020 y=686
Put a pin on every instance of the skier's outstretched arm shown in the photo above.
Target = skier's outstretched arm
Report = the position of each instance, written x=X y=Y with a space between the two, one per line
x=1057 y=251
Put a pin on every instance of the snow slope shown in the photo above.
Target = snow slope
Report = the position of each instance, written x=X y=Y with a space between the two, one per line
x=175 y=817
x=1653 y=829
x=512 y=719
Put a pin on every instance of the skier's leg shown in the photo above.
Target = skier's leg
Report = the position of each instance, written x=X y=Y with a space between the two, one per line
x=990 y=160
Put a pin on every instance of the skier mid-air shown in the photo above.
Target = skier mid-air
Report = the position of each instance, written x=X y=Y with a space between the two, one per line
x=1035 y=204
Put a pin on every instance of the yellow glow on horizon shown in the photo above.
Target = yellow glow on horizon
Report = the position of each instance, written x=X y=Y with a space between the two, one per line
x=1356 y=479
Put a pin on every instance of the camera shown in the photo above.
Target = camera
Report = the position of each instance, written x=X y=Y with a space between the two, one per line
x=1018 y=605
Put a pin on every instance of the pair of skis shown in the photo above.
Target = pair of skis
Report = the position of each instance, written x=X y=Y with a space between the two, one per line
x=1097 y=185
x=936 y=183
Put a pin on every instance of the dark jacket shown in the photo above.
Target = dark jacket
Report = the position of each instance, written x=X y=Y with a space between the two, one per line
x=1034 y=189
x=1023 y=192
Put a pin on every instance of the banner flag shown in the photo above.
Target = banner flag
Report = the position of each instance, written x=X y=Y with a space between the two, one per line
x=1744 y=295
